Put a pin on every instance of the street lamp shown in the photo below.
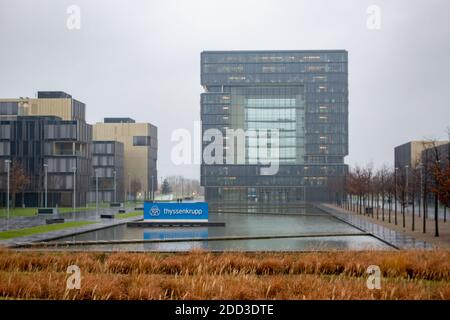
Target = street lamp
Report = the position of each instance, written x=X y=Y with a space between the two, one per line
x=406 y=198
x=45 y=184
x=395 y=195
x=115 y=186
x=420 y=167
x=8 y=163
x=74 y=169
x=152 y=190
x=96 y=190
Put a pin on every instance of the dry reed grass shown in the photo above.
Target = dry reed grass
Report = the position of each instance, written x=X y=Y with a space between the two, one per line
x=417 y=274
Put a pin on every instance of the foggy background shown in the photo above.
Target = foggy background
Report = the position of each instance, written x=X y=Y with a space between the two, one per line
x=141 y=59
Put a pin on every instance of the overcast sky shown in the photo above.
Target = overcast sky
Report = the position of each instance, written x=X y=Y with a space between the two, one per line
x=141 y=59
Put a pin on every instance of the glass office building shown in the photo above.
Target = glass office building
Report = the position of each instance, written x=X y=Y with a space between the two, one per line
x=299 y=98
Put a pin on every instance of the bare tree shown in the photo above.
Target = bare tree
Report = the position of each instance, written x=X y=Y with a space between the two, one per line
x=383 y=185
x=433 y=168
x=18 y=180
x=135 y=187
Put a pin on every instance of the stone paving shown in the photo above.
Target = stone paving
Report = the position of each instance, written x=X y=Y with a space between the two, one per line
x=394 y=238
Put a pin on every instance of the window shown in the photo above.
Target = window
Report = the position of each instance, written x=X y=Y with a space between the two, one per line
x=4 y=148
x=9 y=108
x=141 y=141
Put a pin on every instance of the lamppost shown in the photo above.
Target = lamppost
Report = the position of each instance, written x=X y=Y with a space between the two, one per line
x=152 y=190
x=420 y=167
x=8 y=163
x=45 y=184
x=395 y=195
x=406 y=198
x=96 y=191
x=182 y=181
x=115 y=186
x=74 y=169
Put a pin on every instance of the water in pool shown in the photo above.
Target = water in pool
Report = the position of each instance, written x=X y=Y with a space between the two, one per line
x=288 y=222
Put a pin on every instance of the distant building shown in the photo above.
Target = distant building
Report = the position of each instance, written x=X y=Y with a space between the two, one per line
x=107 y=165
x=140 y=148
x=303 y=95
x=410 y=153
x=51 y=131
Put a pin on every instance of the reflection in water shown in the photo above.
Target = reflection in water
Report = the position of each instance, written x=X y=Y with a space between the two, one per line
x=243 y=221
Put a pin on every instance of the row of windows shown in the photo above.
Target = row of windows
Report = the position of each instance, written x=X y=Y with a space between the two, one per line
x=103 y=172
x=311 y=108
x=9 y=108
x=141 y=141
x=270 y=114
x=105 y=148
x=309 y=98
x=293 y=170
x=271 y=103
x=271 y=57
x=263 y=181
x=261 y=68
x=102 y=160
x=264 y=78
x=61 y=164
x=308 y=80
x=60 y=182
x=60 y=131
x=271 y=125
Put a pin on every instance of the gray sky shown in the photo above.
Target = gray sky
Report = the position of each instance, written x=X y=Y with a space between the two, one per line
x=141 y=59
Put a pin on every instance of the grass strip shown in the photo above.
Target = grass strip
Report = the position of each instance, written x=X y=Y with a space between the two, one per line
x=130 y=215
x=42 y=229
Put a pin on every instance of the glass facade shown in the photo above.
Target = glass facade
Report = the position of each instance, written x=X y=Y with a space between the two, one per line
x=61 y=144
x=303 y=95
x=107 y=165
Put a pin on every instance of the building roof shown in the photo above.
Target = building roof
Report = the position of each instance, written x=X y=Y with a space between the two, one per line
x=118 y=120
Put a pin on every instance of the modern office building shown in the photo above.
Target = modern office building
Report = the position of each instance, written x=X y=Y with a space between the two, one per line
x=46 y=134
x=302 y=96
x=140 y=148
x=410 y=154
x=107 y=172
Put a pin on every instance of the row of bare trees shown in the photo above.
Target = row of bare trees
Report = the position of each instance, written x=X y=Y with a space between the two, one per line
x=390 y=194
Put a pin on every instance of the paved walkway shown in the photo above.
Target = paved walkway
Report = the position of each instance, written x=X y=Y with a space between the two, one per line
x=414 y=238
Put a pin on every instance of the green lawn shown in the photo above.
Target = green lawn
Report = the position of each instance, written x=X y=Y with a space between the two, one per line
x=42 y=229
x=29 y=212
x=130 y=215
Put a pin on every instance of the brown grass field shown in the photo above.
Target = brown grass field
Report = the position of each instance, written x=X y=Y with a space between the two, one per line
x=202 y=275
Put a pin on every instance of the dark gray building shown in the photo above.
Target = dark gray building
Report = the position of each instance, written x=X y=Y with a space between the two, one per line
x=410 y=154
x=303 y=95
x=107 y=165
x=34 y=138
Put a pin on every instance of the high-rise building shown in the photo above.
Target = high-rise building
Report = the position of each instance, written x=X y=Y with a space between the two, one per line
x=302 y=96
x=140 y=149
x=47 y=134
